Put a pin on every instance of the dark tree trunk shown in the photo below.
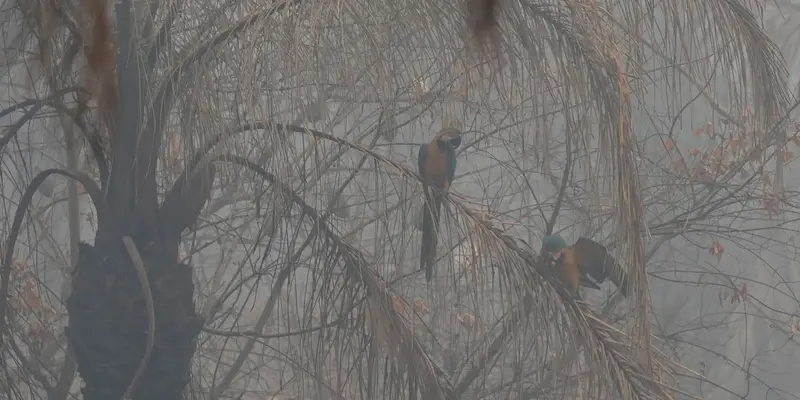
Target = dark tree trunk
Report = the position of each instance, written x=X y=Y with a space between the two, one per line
x=108 y=326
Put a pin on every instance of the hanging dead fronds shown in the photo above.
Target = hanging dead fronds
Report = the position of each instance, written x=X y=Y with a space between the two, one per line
x=482 y=18
x=100 y=52
x=538 y=291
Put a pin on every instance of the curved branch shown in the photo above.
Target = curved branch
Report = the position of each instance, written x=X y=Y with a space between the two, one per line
x=13 y=129
x=197 y=158
x=94 y=143
x=275 y=126
x=32 y=369
x=31 y=102
x=272 y=301
x=431 y=376
x=627 y=375
x=151 y=315
x=162 y=101
x=8 y=251
x=160 y=38
x=93 y=140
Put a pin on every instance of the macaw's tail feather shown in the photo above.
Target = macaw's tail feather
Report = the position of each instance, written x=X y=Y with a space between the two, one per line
x=429 y=227
x=588 y=283
x=428 y=247
x=600 y=264
x=620 y=278
x=612 y=270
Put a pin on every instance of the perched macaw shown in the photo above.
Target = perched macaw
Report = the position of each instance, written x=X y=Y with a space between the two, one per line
x=437 y=165
x=586 y=258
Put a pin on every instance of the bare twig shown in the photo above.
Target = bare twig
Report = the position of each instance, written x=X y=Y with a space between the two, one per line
x=8 y=257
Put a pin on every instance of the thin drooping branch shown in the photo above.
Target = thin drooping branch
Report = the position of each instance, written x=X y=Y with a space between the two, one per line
x=160 y=39
x=33 y=102
x=623 y=371
x=37 y=104
x=70 y=365
x=13 y=129
x=151 y=134
x=8 y=256
x=431 y=376
x=32 y=369
x=510 y=327
x=218 y=389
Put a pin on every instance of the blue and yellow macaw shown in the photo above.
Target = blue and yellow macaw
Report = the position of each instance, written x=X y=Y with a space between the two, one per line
x=437 y=165
x=586 y=258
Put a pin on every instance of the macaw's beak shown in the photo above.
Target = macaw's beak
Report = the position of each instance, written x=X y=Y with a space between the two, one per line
x=452 y=137
x=455 y=141
x=554 y=255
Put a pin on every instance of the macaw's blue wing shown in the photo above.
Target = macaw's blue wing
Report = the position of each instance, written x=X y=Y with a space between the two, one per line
x=437 y=165
x=594 y=260
x=432 y=163
x=586 y=282
x=451 y=165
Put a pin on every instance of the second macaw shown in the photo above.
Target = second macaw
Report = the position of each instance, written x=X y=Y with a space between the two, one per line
x=586 y=258
x=437 y=165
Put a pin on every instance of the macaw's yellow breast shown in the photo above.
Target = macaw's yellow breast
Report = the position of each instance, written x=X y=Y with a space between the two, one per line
x=436 y=165
x=569 y=269
x=570 y=258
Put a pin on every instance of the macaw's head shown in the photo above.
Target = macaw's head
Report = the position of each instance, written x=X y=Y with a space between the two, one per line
x=553 y=244
x=449 y=137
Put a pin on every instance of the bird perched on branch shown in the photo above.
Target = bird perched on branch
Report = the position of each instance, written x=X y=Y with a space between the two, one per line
x=585 y=259
x=437 y=165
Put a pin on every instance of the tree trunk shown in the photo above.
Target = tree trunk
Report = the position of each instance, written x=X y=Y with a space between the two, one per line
x=108 y=326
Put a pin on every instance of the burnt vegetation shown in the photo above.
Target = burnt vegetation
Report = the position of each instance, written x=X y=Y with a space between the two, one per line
x=162 y=156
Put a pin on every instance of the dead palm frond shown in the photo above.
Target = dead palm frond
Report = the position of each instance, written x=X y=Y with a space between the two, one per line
x=572 y=52
x=537 y=291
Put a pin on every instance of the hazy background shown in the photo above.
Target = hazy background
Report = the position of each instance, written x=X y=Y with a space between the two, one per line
x=390 y=86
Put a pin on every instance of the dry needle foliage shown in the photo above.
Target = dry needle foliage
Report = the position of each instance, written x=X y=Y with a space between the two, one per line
x=228 y=83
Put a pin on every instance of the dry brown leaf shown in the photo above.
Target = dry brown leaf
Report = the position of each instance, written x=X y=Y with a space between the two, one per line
x=398 y=304
x=420 y=307
x=716 y=250
x=679 y=165
x=787 y=156
x=468 y=321
x=418 y=90
x=705 y=129
x=771 y=203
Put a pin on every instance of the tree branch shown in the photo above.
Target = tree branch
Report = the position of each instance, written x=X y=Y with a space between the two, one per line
x=8 y=256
